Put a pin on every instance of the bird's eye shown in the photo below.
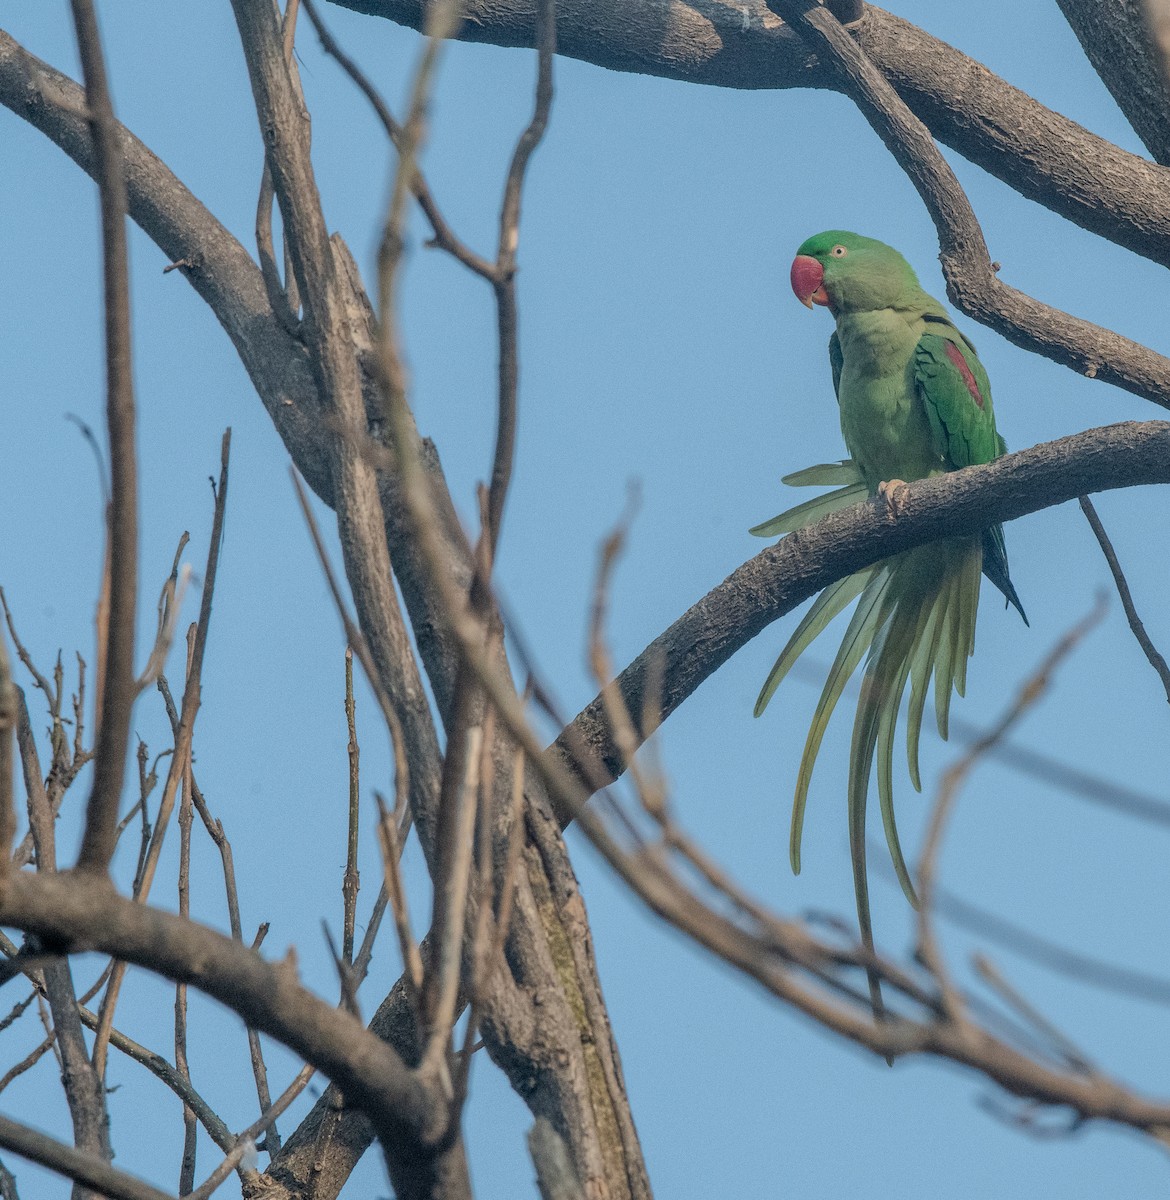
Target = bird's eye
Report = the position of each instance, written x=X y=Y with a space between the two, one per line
x=838 y=251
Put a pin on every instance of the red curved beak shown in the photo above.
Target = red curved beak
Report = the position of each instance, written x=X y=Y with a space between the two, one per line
x=808 y=281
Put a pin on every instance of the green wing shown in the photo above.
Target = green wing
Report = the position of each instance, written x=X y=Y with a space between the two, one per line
x=957 y=398
x=956 y=395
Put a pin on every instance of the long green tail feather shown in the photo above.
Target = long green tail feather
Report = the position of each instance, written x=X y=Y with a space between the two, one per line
x=885 y=777
x=901 y=654
x=858 y=638
x=811 y=510
x=825 y=475
x=944 y=665
x=921 y=670
x=832 y=601
x=915 y=624
x=930 y=601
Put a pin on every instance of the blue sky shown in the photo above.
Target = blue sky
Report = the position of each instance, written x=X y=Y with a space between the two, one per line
x=660 y=343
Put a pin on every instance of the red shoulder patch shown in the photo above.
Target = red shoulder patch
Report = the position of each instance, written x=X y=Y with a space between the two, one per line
x=956 y=357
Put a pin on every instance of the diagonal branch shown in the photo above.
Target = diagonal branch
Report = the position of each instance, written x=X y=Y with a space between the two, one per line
x=781 y=577
x=329 y=338
x=79 y=1165
x=72 y=912
x=1041 y=154
x=118 y=692
x=1115 y=38
x=971 y=280
x=1136 y=625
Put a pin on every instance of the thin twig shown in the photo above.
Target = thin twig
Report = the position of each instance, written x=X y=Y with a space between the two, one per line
x=507 y=323
x=245 y=1142
x=29 y=1061
x=351 y=881
x=443 y=236
x=186 y=817
x=357 y=641
x=361 y=964
x=391 y=854
x=191 y=700
x=1131 y=614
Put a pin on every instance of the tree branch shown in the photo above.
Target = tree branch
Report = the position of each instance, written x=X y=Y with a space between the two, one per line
x=971 y=280
x=78 y=1165
x=1137 y=627
x=800 y=565
x=71 y=912
x=1043 y=155
x=1115 y=39
x=118 y=692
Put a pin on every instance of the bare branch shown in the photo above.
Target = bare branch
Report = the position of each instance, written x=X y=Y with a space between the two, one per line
x=182 y=752
x=351 y=881
x=971 y=280
x=452 y=888
x=1043 y=155
x=117 y=700
x=78 y=1165
x=443 y=236
x=1131 y=614
x=186 y=819
x=505 y=279
x=799 y=566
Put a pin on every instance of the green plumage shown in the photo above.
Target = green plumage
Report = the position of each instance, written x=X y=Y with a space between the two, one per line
x=914 y=401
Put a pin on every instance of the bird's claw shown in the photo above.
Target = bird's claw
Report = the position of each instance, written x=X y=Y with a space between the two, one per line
x=893 y=493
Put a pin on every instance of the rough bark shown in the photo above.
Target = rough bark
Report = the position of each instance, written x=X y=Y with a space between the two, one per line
x=1115 y=40
x=1044 y=156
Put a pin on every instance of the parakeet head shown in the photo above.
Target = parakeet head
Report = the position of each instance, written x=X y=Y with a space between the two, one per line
x=850 y=273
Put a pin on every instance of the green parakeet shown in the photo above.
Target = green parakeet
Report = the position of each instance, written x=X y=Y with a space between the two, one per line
x=914 y=401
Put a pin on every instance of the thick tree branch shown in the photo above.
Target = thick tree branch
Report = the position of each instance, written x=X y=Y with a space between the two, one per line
x=1043 y=155
x=325 y=295
x=971 y=280
x=800 y=565
x=118 y=689
x=78 y=1165
x=70 y=912
x=1115 y=39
